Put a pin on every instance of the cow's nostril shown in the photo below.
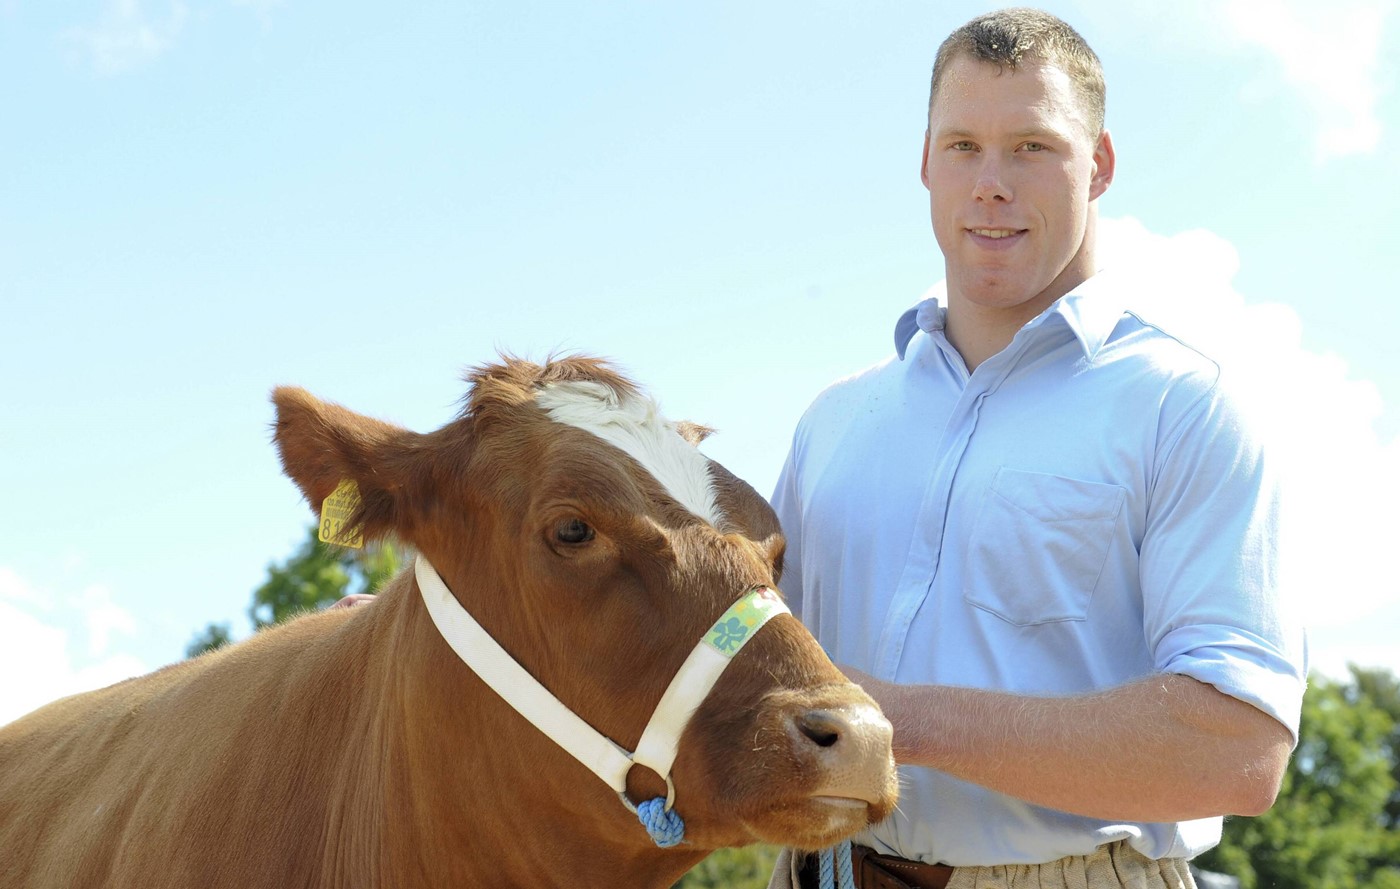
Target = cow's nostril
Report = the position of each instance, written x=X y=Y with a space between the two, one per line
x=821 y=727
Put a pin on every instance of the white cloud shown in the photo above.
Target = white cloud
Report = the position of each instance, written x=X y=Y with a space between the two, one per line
x=1330 y=56
x=128 y=35
x=14 y=589
x=1332 y=660
x=1330 y=53
x=35 y=645
x=102 y=617
x=1345 y=479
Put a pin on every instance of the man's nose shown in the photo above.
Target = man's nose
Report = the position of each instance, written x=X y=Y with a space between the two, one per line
x=991 y=184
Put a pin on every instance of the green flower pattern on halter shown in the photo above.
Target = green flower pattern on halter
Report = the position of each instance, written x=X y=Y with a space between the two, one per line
x=737 y=625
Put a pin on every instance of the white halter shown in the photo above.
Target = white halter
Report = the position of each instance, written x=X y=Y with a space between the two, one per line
x=659 y=742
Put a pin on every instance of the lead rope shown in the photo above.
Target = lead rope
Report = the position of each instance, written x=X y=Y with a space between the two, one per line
x=666 y=829
x=834 y=867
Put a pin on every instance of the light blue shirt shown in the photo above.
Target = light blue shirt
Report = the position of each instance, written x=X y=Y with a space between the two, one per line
x=1088 y=507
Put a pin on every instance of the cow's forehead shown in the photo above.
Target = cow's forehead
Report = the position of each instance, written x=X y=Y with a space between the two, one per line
x=634 y=424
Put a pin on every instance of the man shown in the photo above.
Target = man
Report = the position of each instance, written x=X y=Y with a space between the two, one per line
x=1044 y=536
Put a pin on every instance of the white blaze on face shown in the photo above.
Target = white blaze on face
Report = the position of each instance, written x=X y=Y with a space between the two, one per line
x=635 y=426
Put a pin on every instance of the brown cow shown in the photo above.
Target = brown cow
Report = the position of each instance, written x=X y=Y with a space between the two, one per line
x=354 y=748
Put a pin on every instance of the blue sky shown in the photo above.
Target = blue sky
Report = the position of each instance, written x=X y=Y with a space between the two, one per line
x=202 y=199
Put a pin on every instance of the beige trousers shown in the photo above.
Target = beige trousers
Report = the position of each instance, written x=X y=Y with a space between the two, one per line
x=1115 y=866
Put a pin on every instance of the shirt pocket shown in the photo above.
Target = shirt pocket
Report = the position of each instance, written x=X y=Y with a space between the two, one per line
x=1038 y=546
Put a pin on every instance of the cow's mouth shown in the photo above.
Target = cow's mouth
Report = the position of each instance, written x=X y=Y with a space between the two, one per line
x=842 y=802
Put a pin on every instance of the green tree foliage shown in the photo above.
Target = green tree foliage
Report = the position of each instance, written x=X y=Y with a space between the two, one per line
x=1382 y=688
x=317 y=575
x=314 y=576
x=211 y=637
x=1333 y=825
x=747 y=868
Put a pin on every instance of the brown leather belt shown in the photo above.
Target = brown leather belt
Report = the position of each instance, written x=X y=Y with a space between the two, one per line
x=875 y=871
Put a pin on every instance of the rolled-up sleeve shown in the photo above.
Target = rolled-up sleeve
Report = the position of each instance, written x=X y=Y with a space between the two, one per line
x=1219 y=605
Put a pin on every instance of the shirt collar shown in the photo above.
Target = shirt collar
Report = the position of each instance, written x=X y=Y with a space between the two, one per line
x=1091 y=311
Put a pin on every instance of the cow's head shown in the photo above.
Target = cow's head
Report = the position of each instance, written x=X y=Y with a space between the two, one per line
x=597 y=545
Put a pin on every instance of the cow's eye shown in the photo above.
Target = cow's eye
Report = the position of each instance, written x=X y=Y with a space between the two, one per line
x=573 y=532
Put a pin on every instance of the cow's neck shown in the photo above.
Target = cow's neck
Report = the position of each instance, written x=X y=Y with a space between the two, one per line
x=450 y=788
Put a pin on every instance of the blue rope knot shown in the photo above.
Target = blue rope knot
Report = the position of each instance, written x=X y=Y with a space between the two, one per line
x=665 y=828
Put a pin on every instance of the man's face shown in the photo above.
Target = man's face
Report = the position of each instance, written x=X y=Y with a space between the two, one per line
x=1011 y=170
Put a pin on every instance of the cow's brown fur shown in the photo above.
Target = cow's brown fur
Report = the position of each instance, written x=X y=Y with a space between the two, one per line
x=353 y=748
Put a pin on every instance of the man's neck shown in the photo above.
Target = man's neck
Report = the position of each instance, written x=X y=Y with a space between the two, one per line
x=978 y=332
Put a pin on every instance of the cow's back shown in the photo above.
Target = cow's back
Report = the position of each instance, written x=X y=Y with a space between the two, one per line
x=151 y=782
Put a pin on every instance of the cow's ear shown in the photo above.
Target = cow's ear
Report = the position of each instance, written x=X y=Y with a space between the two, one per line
x=323 y=445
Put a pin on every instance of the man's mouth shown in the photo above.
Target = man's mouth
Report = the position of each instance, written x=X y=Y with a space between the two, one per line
x=996 y=233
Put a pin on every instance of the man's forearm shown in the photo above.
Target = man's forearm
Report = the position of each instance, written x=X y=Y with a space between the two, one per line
x=1167 y=748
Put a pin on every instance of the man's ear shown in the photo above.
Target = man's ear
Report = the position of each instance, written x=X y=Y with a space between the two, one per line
x=322 y=445
x=1104 y=161
x=923 y=163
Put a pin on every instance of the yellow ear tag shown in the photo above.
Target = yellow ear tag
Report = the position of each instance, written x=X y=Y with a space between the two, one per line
x=335 y=513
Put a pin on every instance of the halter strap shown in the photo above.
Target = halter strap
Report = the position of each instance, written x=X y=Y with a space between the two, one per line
x=660 y=739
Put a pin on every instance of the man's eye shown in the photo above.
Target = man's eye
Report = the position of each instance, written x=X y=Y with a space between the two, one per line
x=1034 y=146
x=964 y=146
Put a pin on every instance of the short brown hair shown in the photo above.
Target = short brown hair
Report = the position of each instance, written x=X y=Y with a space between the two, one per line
x=1008 y=37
